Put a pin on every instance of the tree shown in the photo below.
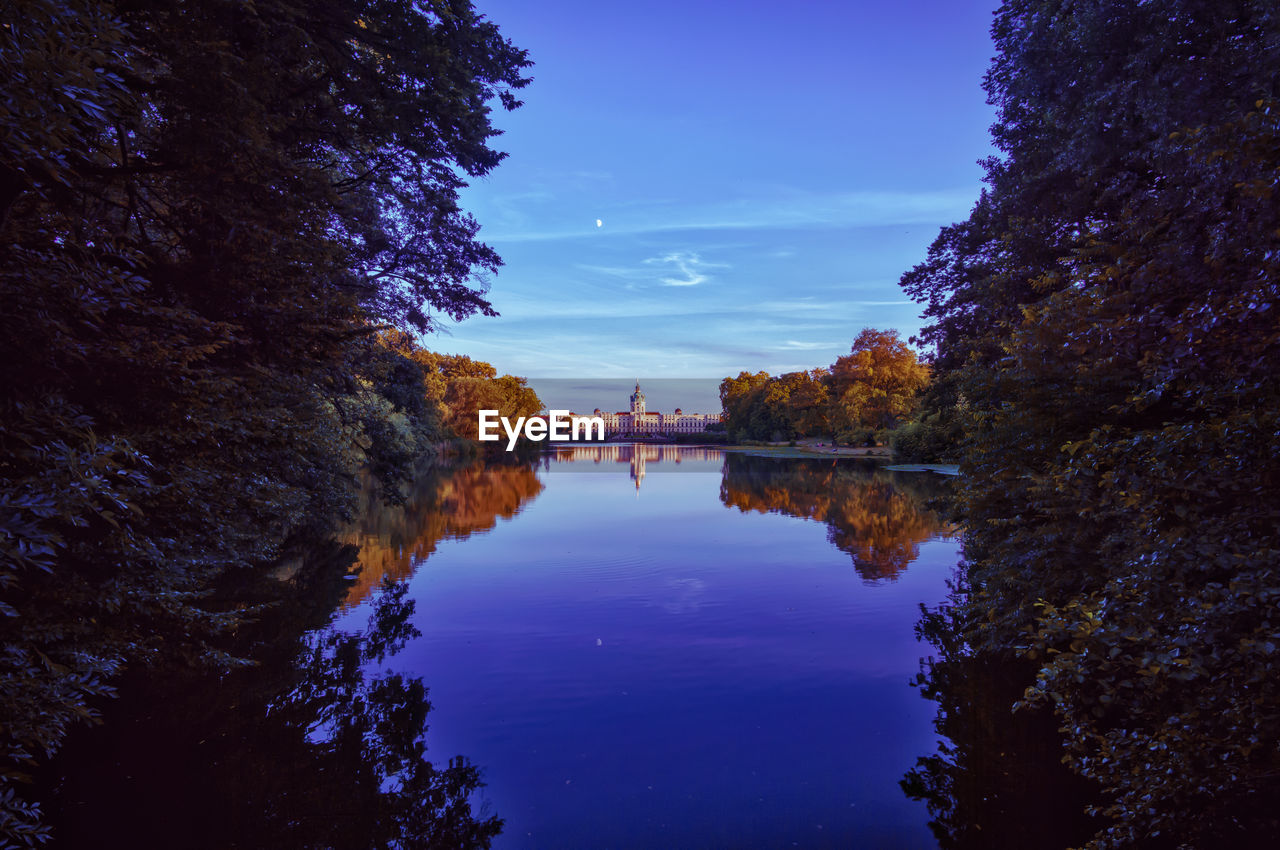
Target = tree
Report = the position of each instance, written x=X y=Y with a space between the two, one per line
x=877 y=383
x=1109 y=314
x=206 y=211
x=810 y=404
x=455 y=366
x=467 y=396
x=804 y=402
x=736 y=399
x=871 y=388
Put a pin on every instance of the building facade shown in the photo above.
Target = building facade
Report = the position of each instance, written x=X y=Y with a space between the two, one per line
x=640 y=421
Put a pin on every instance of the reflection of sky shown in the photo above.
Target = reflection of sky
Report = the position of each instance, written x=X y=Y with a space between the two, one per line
x=663 y=671
x=662 y=395
x=763 y=175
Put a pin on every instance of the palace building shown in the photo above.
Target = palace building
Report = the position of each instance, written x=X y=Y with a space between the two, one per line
x=639 y=421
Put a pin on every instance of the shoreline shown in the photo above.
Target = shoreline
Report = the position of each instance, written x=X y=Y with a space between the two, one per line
x=872 y=452
x=814 y=450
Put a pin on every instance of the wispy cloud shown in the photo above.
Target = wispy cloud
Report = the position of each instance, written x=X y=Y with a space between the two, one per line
x=690 y=267
x=672 y=268
x=826 y=306
x=625 y=272
x=796 y=345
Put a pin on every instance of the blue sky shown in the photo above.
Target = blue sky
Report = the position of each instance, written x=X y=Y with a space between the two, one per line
x=762 y=174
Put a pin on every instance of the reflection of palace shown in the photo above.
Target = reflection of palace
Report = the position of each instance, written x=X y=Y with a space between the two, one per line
x=638 y=420
x=637 y=455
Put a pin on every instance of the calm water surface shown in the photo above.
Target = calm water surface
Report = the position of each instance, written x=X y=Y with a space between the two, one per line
x=658 y=647
x=639 y=646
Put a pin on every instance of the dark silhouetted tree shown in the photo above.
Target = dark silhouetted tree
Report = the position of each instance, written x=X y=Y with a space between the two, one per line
x=1109 y=313
x=206 y=210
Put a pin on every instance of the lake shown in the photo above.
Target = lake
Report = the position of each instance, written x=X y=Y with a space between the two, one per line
x=652 y=646
x=634 y=645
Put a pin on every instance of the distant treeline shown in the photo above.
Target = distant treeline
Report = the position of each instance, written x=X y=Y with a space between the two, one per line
x=873 y=388
x=458 y=388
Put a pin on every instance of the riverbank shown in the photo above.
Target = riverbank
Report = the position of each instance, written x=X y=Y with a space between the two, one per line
x=819 y=448
x=800 y=448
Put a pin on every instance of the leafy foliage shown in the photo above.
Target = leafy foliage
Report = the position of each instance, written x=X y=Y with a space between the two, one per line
x=206 y=209
x=997 y=781
x=460 y=387
x=871 y=388
x=1109 y=314
x=876 y=384
x=931 y=438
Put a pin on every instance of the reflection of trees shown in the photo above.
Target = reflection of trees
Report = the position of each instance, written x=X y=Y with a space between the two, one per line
x=997 y=780
x=443 y=503
x=879 y=518
x=308 y=750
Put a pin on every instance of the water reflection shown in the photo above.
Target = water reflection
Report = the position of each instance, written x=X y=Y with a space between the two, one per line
x=679 y=670
x=629 y=671
x=879 y=518
x=313 y=749
x=638 y=456
x=997 y=780
x=445 y=503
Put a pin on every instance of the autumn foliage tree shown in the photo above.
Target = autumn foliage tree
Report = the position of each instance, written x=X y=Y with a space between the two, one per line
x=459 y=387
x=737 y=397
x=508 y=394
x=877 y=383
x=873 y=387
